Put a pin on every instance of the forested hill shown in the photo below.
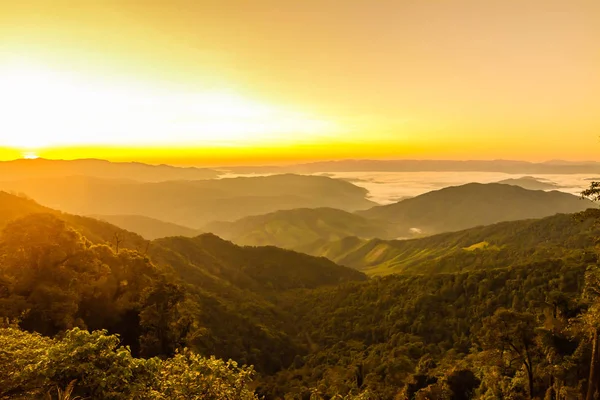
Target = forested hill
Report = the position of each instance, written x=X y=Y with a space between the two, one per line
x=461 y=325
x=448 y=336
x=294 y=228
x=257 y=268
x=492 y=246
x=449 y=209
x=461 y=207
x=214 y=292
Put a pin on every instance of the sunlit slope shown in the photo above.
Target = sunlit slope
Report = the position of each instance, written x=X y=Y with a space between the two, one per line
x=13 y=207
x=298 y=227
x=461 y=207
x=192 y=203
x=494 y=246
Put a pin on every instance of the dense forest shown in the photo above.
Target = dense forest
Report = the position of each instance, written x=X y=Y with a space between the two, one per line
x=99 y=312
x=491 y=246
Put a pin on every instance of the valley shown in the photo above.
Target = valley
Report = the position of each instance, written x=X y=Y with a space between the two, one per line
x=319 y=299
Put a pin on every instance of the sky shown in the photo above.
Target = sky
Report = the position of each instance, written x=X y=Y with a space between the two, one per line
x=236 y=82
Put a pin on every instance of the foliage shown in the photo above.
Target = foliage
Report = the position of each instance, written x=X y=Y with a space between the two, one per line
x=508 y=244
x=514 y=319
x=31 y=365
x=292 y=229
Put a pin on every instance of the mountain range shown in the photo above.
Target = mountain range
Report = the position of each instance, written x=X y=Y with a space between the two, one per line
x=307 y=323
x=505 y=166
x=41 y=169
x=225 y=285
x=460 y=207
x=531 y=183
x=449 y=209
x=293 y=228
x=191 y=203
x=491 y=246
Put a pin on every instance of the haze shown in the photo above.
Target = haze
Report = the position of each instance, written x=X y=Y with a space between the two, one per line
x=309 y=199
x=200 y=82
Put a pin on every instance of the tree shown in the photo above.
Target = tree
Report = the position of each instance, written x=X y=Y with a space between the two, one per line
x=590 y=320
x=589 y=325
x=32 y=365
x=512 y=334
x=164 y=327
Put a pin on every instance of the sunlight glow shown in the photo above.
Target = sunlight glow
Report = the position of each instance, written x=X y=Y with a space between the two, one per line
x=43 y=108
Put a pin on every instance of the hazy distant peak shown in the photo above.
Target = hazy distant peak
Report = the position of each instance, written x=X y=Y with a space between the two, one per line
x=464 y=206
x=531 y=183
x=413 y=165
x=43 y=168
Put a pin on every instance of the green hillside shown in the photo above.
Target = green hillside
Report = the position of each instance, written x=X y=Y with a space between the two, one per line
x=441 y=329
x=218 y=285
x=506 y=243
x=461 y=207
x=442 y=336
x=295 y=228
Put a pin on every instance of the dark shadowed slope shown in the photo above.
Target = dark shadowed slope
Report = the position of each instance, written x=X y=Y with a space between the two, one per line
x=148 y=228
x=257 y=268
x=193 y=203
x=293 y=228
x=461 y=207
x=498 y=245
x=41 y=168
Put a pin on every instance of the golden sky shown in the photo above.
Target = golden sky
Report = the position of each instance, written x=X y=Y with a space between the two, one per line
x=208 y=82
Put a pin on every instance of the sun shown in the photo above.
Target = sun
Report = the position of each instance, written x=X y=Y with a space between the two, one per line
x=44 y=108
x=30 y=155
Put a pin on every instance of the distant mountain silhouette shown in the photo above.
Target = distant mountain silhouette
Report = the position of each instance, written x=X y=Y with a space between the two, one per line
x=461 y=207
x=293 y=228
x=530 y=183
x=192 y=203
x=506 y=166
x=42 y=168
